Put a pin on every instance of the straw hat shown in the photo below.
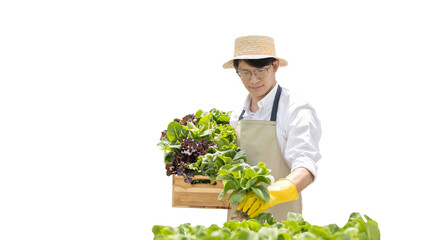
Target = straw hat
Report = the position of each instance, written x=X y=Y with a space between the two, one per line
x=254 y=47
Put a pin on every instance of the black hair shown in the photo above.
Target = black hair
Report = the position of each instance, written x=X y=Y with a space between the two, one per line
x=258 y=63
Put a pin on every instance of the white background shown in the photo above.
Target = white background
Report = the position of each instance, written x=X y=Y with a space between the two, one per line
x=86 y=87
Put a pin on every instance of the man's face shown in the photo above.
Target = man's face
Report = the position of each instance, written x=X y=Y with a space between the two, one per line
x=259 y=86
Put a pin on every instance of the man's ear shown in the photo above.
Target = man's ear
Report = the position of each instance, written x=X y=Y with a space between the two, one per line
x=275 y=65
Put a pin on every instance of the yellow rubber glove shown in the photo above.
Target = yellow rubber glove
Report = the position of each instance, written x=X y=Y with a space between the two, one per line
x=281 y=191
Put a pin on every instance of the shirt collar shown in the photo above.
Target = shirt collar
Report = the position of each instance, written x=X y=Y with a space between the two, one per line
x=267 y=101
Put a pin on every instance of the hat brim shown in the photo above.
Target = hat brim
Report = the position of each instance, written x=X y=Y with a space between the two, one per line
x=229 y=64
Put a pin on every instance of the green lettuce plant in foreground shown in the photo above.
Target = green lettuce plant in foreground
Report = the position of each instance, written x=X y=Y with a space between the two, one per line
x=264 y=227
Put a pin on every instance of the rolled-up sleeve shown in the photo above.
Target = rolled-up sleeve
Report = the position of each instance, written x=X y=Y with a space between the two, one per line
x=303 y=136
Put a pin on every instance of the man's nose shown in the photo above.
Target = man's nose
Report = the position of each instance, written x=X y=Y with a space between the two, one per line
x=254 y=78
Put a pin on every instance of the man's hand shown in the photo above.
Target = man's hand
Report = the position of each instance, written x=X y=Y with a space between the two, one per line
x=281 y=191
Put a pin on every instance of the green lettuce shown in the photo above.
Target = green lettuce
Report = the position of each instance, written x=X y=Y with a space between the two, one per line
x=264 y=227
x=242 y=178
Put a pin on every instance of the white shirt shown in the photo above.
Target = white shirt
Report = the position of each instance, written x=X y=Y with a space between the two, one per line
x=298 y=128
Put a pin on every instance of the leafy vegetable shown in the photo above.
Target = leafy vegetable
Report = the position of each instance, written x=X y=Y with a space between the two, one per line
x=188 y=153
x=205 y=144
x=264 y=227
x=243 y=178
x=195 y=135
x=210 y=164
x=200 y=144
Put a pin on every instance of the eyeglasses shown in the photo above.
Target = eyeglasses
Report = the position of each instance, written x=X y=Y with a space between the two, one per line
x=247 y=75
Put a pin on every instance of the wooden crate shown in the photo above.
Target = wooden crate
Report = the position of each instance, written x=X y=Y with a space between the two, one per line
x=197 y=195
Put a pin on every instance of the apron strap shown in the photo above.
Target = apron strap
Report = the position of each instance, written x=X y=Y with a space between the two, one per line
x=275 y=106
x=241 y=115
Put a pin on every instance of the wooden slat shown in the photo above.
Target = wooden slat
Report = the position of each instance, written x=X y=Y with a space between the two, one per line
x=197 y=195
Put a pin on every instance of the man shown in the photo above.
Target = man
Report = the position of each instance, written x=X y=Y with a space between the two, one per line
x=275 y=127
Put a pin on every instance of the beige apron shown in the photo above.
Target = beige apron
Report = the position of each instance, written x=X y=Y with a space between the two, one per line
x=259 y=140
